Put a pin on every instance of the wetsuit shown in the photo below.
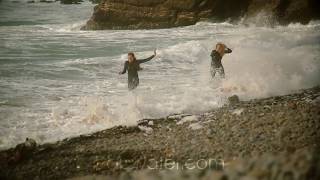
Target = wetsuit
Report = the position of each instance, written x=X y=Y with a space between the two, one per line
x=216 y=65
x=133 y=68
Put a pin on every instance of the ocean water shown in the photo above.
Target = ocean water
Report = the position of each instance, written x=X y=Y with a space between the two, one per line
x=57 y=81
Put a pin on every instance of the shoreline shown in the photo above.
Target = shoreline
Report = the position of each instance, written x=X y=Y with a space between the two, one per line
x=245 y=129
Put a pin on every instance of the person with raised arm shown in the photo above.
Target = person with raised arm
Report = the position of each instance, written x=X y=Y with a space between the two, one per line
x=132 y=65
x=216 y=57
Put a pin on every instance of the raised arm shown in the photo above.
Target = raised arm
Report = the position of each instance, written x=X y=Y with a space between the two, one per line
x=149 y=58
x=146 y=60
x=227 y=50
x=125 y=67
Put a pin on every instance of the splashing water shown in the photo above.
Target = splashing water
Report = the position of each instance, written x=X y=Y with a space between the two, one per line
x=57 y=81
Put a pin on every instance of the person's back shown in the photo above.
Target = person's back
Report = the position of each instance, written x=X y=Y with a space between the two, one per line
x=216 y=57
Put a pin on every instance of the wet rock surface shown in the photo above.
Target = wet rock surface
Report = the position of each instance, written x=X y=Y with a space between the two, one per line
x=146 y=14
x=284 y=127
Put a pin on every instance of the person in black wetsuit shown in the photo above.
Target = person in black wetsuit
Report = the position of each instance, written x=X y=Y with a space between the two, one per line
x=133 y=66
x=216 y=56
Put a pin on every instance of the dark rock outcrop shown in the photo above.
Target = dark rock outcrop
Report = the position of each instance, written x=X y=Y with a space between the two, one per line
x=71 y=1
x=233 y=100
x=20 y=152
x=138 y=14
x=286 y=11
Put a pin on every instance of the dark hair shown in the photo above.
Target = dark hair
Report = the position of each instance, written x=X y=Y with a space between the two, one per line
x=134 y=59
x=132 y=54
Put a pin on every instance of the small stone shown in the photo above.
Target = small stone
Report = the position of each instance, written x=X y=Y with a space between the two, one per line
x=150 y=123
x=195 y=126
x=210 y=133
x=316 y=100
x=238 y=112
x=233 y=100
x=267 y=107
x=187 y=119
x=292 y=105
x=147 y=130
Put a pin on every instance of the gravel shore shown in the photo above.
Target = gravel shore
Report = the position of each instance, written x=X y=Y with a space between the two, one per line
x=240 y=140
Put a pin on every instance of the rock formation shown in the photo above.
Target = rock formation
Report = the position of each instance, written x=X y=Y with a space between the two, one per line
x=286 y=11
x=146 y=14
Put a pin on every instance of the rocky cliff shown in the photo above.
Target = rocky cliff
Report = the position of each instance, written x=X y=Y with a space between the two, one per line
x=139 y=14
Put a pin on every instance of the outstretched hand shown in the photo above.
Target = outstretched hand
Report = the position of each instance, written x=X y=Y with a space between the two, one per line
x=155 y=52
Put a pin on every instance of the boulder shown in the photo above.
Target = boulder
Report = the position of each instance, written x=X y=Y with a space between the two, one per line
x=233 y=100
x=22 y=151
